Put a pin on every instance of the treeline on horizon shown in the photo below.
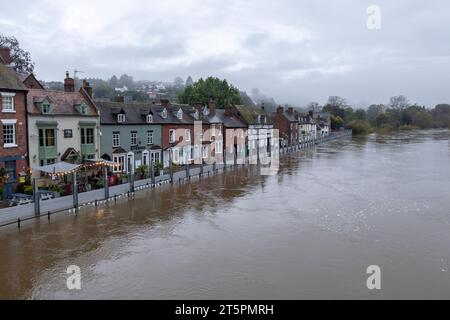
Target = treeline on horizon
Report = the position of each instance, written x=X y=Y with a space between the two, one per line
x=398 y=114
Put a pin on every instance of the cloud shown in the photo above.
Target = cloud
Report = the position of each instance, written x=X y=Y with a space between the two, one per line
x=295 y=51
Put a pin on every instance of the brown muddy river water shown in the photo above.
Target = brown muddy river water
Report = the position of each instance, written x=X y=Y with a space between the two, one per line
x=309 y=232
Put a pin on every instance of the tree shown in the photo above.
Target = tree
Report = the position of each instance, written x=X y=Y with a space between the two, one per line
x=373 y=111
x=189 y=81
x=314 y=106
x=399 y=102
x=113 y=81
x=21 y=58
x=336 y=106
x=126 y=81
x=202 y=91
x=178 y=83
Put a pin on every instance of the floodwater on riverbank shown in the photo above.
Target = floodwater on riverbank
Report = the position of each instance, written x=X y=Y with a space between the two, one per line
x=308 y=232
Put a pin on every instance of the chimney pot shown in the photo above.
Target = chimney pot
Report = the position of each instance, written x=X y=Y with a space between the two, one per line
x=280 y=110
x=69 y=83
x=120 y=99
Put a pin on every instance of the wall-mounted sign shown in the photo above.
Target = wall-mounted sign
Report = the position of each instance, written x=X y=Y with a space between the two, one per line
x=67 y=133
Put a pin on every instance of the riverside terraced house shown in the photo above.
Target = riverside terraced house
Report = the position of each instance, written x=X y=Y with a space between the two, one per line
x=130 y=134
x=13 y=121
x=63 y=125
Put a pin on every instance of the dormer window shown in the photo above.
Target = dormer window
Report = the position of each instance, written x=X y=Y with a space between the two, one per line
x=196 y=115
x=149 y=118
x=121 y=117
x=83 y=108
x=164 y=113
x=180 y=114
x=45 y=108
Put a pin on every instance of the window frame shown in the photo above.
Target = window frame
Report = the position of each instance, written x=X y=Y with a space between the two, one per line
x=116 y=138
x=133 y=138
x=9 y=95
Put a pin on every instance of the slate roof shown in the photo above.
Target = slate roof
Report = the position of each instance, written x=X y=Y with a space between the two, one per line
x=251 y=114
x=62 y=103
x=9 y=79
x=136 y=112
x=230 y=121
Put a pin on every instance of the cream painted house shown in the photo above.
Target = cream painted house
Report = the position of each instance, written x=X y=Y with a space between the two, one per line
x=62 y=125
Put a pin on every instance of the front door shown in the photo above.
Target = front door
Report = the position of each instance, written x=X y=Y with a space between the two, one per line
x=10 y=167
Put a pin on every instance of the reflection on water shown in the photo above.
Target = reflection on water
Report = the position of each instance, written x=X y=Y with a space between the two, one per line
x=308 y=232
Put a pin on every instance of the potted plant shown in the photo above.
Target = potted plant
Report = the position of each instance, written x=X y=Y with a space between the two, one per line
x=141 y=171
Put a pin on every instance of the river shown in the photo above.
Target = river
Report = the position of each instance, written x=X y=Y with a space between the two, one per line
x=308 y=232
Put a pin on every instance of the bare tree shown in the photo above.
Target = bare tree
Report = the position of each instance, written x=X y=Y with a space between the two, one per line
x=314 y=106
x=21 y=58
x=399 y=102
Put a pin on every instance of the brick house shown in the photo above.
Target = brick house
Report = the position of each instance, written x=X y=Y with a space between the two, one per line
x=288 y=125
x=13 y=118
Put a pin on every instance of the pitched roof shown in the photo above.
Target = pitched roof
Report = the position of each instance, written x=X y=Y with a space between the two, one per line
x=62 y=103
x=251 y=114
x=230 y=121
x=136 y=112
x=9 y=79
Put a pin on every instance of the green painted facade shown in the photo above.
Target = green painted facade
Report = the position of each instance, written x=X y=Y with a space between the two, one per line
x=141 y=131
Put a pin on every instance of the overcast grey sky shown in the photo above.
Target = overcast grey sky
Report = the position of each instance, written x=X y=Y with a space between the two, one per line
x=296 y=51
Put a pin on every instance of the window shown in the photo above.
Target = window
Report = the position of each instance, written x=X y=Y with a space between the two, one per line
x=46 y=108
x=47 y=138
x=8 y=102
x=149 y=137
x=149 y=118
x=218 y=147
x=120 y=161
x=87 y=135
x=155 y=157
x=180 y=114
x=187 y=134
x=204 y=153
x=83 y=108
x=171 y=136
x=133 y=138
x=120 y=117
x=9 y=135
x=176 y=155
x=116 y=139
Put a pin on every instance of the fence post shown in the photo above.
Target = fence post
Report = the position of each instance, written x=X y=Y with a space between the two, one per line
x=131 y=178
x=170 y=166
x=105 y=181
x=152 y=172
x=224 y=160
x=37 y=198
x=187 y=169
x=75 y=191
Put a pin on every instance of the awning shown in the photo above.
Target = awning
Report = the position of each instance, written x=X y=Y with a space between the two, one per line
x=59 y=167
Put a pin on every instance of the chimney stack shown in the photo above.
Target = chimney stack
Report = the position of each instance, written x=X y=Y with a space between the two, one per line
x=290 y=110
x=212 y=106
x=280 y=110
x=69 y=83
x=165 y=102
x=262 y=106
x=87 y=87
x=119 y=99
x=5 y=55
